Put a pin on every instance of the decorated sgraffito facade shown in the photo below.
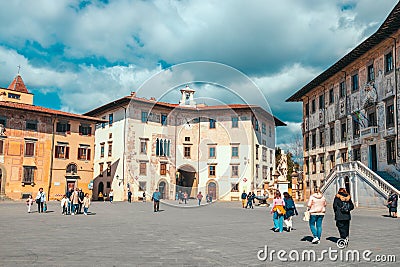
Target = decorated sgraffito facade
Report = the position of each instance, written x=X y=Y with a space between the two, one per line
x=351 y=120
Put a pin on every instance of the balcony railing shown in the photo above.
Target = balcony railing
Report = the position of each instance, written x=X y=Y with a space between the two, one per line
x=369 y=132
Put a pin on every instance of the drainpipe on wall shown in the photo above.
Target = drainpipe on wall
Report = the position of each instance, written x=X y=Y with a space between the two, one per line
x=324 y=148
x=396 y=94
x=395 y=104
x=52 y=157
x=308 y=166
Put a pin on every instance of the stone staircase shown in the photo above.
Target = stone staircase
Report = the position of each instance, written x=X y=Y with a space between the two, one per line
x=382 y=182
x=390 y=179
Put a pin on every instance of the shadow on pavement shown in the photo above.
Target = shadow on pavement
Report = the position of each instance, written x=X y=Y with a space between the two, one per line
x=307 y=238
x=332 y=239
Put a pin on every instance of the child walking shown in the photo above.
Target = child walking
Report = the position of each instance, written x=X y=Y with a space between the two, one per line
x=86 y=204
x=29 y=203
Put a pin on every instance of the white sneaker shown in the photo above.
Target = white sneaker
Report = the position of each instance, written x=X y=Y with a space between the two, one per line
x=315 y=240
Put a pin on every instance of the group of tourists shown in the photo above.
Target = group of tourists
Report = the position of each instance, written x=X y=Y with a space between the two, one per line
x=73 y=202
x=248 y=200
x=103 y=197
x=182 y=197
x=284 y=209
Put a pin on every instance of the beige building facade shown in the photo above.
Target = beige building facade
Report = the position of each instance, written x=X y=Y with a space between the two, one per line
x=216 y=150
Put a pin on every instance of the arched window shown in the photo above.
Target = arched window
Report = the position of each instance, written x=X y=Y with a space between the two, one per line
x=101 y=187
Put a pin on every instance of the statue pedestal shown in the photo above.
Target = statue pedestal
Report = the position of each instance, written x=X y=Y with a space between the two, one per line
x=282 y=186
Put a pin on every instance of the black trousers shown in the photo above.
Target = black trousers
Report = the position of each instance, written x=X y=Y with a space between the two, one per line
x=40 y=207
x=344 y=228
x=156 y=205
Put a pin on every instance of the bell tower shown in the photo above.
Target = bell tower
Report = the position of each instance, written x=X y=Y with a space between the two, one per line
x=187 y=97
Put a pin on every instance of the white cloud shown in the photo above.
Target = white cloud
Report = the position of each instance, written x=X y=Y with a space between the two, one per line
x=255 y=37
x=96 y=86
x=107 y=50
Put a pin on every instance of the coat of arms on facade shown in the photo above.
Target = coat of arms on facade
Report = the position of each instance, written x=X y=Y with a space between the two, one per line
x=370 y=95
x=342 y=107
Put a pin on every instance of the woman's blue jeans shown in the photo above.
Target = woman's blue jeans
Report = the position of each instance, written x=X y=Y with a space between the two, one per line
x=316 y=225
x=278 y=221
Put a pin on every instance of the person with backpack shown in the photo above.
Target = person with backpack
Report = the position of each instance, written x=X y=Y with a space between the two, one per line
x=243 y=197
x=342 y=205
x=291 y=210
x=392 y=204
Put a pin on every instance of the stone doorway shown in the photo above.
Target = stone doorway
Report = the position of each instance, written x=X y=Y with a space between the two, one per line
x=163 y=189
x=212 y=190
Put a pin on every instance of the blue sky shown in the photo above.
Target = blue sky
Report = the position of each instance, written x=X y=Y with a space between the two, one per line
x=102 y=50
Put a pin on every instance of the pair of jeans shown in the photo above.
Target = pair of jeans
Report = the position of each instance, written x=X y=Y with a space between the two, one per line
x=316 y=225
x=75 y=208
x=199 y=201
x=249 y=204
x=278 y=221
x=85 y=210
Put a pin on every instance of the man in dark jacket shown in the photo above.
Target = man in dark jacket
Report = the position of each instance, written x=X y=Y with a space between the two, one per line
x=342 y=205
x=81 y=196
x=243 y=197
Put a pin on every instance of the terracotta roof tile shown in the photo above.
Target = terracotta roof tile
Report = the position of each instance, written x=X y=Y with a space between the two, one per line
x=18 y=85
x=32 y=108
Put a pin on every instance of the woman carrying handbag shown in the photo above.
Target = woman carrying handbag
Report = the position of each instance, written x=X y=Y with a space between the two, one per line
x=316 y=206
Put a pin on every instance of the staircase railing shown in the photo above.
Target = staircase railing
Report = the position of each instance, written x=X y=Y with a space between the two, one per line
x=375 y=178
x=356 y=166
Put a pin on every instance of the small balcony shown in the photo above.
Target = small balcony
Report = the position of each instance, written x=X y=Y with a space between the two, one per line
x=369 y=132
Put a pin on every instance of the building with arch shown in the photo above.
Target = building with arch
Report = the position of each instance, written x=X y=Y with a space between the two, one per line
x=41 y=147
x=185 y=147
